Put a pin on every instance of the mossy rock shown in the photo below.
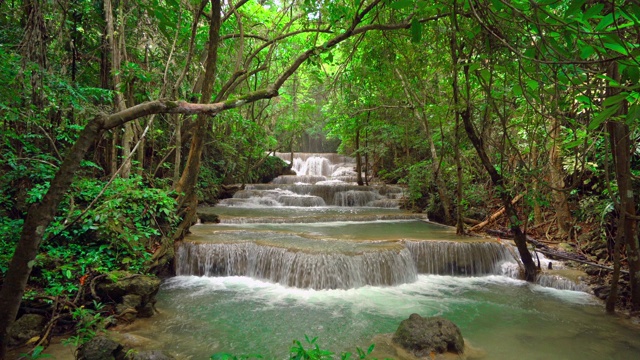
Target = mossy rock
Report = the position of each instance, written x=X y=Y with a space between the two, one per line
x=424 y=336
x=118 y=284
x=100 y=348
x=25 y=328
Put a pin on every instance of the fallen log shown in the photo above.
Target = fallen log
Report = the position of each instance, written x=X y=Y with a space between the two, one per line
x=495 y=215
x=471 y=221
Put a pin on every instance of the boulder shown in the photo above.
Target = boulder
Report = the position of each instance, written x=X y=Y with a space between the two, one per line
x=134 y=293
x=100 y=348
x=424 y=336
x=25 y=328
x=121 y=283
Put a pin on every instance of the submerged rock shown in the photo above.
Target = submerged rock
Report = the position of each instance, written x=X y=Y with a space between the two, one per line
x=424 y=336
x=208 y=218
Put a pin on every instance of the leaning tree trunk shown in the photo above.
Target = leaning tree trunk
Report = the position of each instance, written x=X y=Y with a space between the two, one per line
x=498 y=181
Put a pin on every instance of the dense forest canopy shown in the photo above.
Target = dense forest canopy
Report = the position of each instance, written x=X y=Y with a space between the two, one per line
x=117 y=117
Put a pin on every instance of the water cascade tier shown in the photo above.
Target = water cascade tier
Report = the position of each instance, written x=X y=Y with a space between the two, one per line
x=309 y=259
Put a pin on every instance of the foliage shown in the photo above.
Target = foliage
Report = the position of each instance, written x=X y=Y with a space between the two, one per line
x=118 y=232
x=268 y=170
x=35 y=353
x=90 y=322
x=310 y=350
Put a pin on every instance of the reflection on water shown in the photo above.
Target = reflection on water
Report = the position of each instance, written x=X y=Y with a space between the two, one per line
x=507 y=318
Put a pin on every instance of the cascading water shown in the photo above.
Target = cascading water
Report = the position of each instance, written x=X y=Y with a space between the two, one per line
x=296 y=268
x=316 y=254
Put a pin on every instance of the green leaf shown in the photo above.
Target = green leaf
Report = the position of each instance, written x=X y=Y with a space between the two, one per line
x=616 y=47
x=416 y=30
x=592 y=11
x=604 y=115
x=586 y=52
x=584 y=99
x=401 y=4
x=604 y=22
x=574 y=8
x=532 y=84
x=517 y=90
x=633 y=115
x=572 y=144
x=633 y=73
x=616 y=99
x=485 y=74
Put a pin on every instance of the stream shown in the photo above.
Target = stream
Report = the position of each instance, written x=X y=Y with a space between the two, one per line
x=316 y=255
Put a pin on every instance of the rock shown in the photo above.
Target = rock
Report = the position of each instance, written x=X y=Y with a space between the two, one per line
x=149 y=355
x=100 y=348
x=602 y=292
x=121 y=283
x=25 y=328
x=207 y=218
x=424 y=336
x=135 y=294
x=131 y=300
x=146 y=311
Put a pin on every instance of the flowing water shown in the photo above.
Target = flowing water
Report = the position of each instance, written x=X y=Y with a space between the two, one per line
x=316 y=255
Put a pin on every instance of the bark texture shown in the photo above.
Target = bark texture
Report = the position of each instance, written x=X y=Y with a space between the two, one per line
x=621 y=145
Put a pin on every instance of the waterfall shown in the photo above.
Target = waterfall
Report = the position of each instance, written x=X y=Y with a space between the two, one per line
x=332 y=252
x=459 y=258
x=295 y=268
x=302 y=268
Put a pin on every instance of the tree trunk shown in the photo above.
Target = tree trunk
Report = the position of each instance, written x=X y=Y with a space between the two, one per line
x=615 y=276
x=520 y=238
x=119 y=102
x=556 y=180
x=537 y=209
x=621 y=146
x=178 y=154
x=34 y=47
x=187 y=183
x=358 y=159
x=454 y=47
